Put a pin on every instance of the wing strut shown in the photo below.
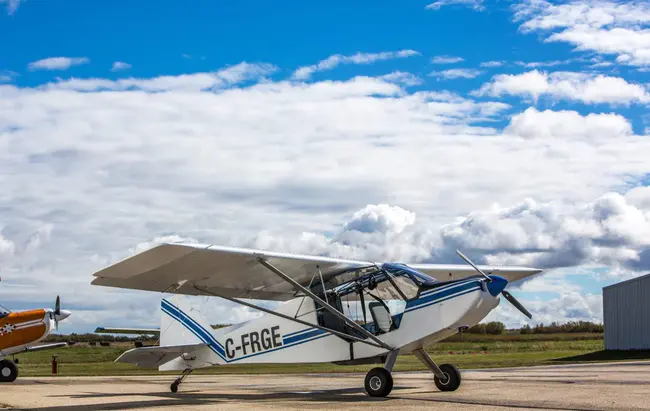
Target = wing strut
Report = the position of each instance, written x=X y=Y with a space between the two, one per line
x=286 y=317
x=325 y=305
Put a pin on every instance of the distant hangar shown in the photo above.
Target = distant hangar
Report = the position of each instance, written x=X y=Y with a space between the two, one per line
x=626 y=314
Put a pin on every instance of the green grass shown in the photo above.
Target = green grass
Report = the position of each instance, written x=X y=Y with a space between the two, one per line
x=502 y=351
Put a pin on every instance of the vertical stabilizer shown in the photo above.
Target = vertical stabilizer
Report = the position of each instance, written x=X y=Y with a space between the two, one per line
x=181 y=324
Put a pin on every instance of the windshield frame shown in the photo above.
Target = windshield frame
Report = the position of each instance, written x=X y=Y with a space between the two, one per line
x=4 y=311
x=418 y=277
x=388 y=272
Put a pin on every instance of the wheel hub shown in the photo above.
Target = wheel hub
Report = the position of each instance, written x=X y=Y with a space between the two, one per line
x=375 y=383
x=446 y=380
x=6 y=372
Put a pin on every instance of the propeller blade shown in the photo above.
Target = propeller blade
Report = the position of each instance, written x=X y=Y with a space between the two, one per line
x=516 y=303
x=472 y=264
x=57 y=312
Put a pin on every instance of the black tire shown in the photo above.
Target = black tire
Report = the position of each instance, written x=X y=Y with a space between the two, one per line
x=379 y=382
x=453 y=378
x=8 y=371
x=174 y=387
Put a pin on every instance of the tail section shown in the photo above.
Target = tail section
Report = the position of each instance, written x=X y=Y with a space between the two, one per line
x=187 y=341
x=181 y=324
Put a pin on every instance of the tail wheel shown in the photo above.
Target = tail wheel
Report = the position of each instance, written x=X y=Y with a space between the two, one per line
x=379 y=382
x=8 y=371
x=452 y=375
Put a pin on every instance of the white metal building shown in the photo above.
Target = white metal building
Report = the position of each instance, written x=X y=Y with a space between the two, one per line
x=626 y=314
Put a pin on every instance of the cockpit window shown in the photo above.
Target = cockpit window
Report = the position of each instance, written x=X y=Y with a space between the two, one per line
x=4 y=312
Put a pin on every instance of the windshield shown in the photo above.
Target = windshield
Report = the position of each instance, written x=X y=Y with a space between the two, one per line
x=4 y=312
x=402 y=269
x=385 y=284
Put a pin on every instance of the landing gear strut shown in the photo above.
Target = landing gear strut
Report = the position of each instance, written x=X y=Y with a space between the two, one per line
x=8 y=371
x=447 y=377
x=379 y=381
x=179 y=380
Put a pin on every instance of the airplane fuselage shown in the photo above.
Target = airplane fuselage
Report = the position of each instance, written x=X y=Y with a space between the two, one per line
x=433 y=316
x=21 y=330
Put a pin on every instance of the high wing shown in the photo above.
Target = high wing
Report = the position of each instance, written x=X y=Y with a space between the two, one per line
x=446 y=272
x=153 y=357
x=232 y=272
x=184 y=268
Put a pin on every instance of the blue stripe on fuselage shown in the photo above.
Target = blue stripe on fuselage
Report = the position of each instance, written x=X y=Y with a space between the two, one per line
x=443 y=295
x=207 y=338
x=207 y=334
x=314 y=332
x=443 y=288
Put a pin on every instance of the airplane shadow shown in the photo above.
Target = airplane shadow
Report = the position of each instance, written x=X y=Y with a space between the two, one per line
x=341 y=395
x=197 y=398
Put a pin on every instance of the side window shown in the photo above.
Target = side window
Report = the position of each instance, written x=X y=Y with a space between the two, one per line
x=407 y=286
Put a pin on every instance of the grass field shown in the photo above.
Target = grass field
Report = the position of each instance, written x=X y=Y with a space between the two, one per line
x=475 y=351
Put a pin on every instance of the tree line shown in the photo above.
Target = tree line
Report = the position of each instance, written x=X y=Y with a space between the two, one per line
x=492 y=328
x=497 y=327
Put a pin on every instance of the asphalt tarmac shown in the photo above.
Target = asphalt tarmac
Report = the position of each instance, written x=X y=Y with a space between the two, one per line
x=612 y=386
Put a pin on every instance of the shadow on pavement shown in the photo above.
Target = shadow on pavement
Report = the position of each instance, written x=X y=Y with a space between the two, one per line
x=607 y=355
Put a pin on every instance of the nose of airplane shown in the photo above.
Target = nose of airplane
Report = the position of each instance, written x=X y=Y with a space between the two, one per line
x=62 y=315
x=497 y=284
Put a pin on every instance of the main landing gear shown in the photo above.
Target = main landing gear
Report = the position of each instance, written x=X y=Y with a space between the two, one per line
x=8 y=371
x=379 y=381
x=179 y=380
x=446 y=377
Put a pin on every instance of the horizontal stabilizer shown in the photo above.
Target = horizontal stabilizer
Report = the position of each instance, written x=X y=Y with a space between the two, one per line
x=46 y=347
x=136 y=331
x=153 y=357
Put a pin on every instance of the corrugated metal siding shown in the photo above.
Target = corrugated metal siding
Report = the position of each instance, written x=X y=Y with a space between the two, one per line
x=626 y=315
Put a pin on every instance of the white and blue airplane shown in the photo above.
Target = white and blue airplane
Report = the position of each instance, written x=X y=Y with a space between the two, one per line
x=334 y=310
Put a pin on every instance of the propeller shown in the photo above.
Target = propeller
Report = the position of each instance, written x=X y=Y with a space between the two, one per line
x=496 y=285
x=58 y=313
x=516 y=303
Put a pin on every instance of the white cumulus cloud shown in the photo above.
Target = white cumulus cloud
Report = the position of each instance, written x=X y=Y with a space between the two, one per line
x=568 y=124
x=621 y=29
x=473 y=4
x=196 y=81
x=446 y=59
x=456 y=73
x=584 y=87
x=335 y=60
x=7 y=76
x=57 y=63
x=492 y=63
x=401 y=77
x=120 y=65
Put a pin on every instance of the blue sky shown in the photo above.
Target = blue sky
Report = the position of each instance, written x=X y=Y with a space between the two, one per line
x=164 y=39
x=516 y=131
